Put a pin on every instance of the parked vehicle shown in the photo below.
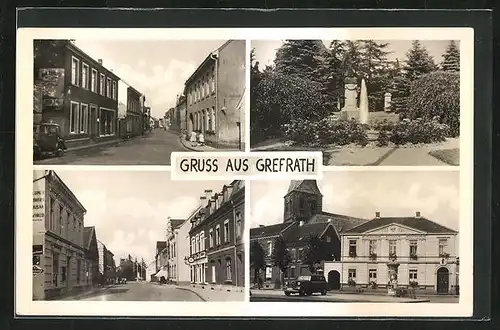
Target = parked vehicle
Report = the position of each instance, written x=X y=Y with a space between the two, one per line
x=47 y=140
x=307 y=285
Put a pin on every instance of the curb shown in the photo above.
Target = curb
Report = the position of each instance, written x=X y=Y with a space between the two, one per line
x=181 y=140
x=196 y=293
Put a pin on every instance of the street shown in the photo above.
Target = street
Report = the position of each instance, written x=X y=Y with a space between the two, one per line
x=140 y=291
x=154 y=149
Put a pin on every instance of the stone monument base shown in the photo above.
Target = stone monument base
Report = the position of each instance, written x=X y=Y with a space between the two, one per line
x=391 y=291
x=348 y=114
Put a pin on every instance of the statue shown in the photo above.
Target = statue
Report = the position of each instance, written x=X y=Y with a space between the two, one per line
x=393 y=277
x=350 y=109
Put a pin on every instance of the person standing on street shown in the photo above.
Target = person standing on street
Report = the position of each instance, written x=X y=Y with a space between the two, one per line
x=193 y=139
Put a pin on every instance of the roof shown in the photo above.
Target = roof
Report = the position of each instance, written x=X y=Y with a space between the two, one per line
x=237 y=186
x=299 y=233
x=305 y=186
x=160 y=245
x=206 y=60
x=87 y=236
x=77 y=49
x=269 y=230
x=419 y=223
x=341 y=223
x=176 y=223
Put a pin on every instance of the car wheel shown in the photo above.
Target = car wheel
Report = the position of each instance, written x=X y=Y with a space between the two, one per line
x=287 y=293
x=302 y=292
x=323 y=293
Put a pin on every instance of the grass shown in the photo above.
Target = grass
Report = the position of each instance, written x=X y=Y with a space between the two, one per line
x=449 y=156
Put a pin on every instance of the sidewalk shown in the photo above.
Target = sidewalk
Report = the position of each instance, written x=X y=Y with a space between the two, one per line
x=210 y=292
x=201 y=148
x=114 y=142
x=82 y=294
x=340 y=297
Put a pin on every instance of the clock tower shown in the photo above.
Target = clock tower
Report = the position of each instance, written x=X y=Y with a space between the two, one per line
x=302 y=200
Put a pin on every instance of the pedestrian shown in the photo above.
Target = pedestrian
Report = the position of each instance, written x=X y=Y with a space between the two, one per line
x=201 y=139
x=193 y=139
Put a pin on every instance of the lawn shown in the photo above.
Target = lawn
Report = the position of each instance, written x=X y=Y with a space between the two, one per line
x=449 y=156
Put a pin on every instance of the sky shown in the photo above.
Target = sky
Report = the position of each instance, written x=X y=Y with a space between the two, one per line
x=265 y=50
x=361 y=194
x=129 y=209
x=156 y=68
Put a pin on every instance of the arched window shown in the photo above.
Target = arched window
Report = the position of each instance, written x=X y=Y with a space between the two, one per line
x=228 y=269
x=238 y=225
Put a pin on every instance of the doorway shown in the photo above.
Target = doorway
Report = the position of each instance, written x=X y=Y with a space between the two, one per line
x=93 y=121
x=333 y=280
x=443 y=280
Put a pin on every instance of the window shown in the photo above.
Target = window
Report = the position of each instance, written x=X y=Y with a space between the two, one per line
x=55 y=268
x=203 y=88
x=211 y=238
x=78 y=270
x=392 y=247
x=226 y=231
x=192 y=245
x=93 y=81
x=328 y=239
x=85 y=75
x=372 y=246
x=300 y=255
x=413 y=275
x=217 y=235
x=213 y=119
x=84 y=118
x=443 y=244
x=107 y=119
x=352 y=248
x=293 y=254
x=372 y=275
x=413 y=248
x=198 y=247
x=74 y=118
x=213 y=80
x=269 y=248
x=238 y=225
x=313 y=207
x=102 y=84
x=228 y=269
x=108 y=88
x=352 y=274
x=75 y=71
x=115 y=97
x=202 y=241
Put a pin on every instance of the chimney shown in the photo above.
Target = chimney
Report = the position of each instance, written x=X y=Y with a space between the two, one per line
x=208 y=194
x=100 y=61
x=417 y=215
x=377 y=215
x=203 y=201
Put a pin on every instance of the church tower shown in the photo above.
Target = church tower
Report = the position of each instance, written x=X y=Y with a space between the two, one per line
x=303 y=200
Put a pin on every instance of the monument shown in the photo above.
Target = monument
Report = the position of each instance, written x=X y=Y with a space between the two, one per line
x=350 y=109
x=363 y=104
x=392 y=266
x=387 y=102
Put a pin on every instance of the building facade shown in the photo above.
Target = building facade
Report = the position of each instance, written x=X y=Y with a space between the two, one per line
x=134 y=112
x=59 y=254
x=214 y=94
x=174 y=240
x=180 y=108
x=217 y=237
x=109 y=267
x=161 y=257
x=426 y=253
x=92 y=252
x=78 y=92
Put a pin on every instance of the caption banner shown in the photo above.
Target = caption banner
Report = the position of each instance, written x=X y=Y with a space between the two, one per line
x=246 y=165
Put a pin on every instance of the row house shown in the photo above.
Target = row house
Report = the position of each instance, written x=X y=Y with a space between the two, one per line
x=130 y=110
x=77 y=92
x=217 y=239
x=59 y=250
x=92 y=246
x=160 y=260
x=180 y=109
x=109 y=267
x=177 y=234
x=214 y=94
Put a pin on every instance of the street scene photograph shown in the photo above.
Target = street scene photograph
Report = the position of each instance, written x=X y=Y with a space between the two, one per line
x=356 y=237
x=360 y=102
x=136 y=236
x=134 y=102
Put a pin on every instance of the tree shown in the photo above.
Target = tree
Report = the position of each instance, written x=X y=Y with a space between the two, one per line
x=315 y=252
x=400 y=89
x=280 y=257
x=451 y=58
x=257 y=259
x=418 y=62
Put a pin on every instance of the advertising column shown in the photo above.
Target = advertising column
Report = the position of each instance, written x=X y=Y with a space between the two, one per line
x=39 y=209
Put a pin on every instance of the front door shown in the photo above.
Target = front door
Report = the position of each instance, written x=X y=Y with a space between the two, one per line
x=443 y=279
x=93 y=121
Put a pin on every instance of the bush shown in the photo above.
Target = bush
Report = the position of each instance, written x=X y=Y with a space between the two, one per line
x=436 y=94
x=413 y=284
x=325 y=132
x=373 y=284
x=412 y=131
x=351 y=282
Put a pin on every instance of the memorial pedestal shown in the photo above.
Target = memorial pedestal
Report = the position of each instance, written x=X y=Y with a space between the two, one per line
x=348 y=114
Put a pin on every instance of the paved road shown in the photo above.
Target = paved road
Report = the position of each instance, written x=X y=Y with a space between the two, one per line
x=141 y=291
x=350 y=298
x=154 y=149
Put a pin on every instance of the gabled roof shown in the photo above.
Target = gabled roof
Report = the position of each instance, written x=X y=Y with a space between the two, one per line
x=88 y=234
x=272 y=230
x=305 y=186
x=300 y=233
x=419 y=223
x=340 y=222
x=176 y=223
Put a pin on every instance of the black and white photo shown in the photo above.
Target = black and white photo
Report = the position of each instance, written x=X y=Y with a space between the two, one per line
x=361 y=102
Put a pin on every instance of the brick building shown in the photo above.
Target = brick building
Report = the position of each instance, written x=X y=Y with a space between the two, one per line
x=214 y=93
x=92 y=252
x=78 y=92
x=58 y=238
x=217 y=239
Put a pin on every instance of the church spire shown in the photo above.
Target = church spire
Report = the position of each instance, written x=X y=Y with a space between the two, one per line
x=302 y=200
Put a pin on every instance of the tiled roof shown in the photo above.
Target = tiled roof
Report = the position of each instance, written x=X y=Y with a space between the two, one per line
x=176 y=223
x=237 y=186
x=340 y=222
x=300 y=233
x=87 y=236
x=420 y=223
x=160 y=245
x=306 y=186
x=269 y=230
